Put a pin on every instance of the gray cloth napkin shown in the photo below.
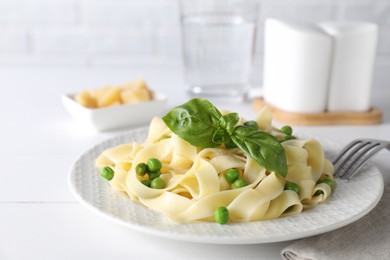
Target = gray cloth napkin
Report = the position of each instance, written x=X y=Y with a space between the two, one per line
x=368 y=238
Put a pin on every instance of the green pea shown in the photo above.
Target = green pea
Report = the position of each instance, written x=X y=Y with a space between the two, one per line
x=157 y=183
x=146 y=182
x=231 y=175
x=154 y=175
x=221 y=215
x=318 y=192
x=154 y=164
x=329 y=182
x=292 y=186
x=239 y=183
x=287 y=130
x=287 y=138
x=252 y=124
x=107 y=173
x=141 y=169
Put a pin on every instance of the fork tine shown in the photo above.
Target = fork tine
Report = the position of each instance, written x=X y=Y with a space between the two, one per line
x=344 y=168
x=345 y=150
x=354 y=156
x=363 y=160
x=346 y=154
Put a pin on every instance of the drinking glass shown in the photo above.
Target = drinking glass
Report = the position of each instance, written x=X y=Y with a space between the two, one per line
x=218 y=40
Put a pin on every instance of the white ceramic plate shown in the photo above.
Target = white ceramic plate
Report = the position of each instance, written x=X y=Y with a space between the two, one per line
x=113 y=117
x=351 y=201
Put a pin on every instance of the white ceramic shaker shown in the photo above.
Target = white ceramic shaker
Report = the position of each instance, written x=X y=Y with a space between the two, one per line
x=297 y=60
x=354 y=52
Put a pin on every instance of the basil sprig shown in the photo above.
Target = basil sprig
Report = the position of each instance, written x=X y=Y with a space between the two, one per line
x=201 y=124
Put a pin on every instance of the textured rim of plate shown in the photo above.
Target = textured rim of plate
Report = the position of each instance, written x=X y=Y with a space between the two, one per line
x=347 y=205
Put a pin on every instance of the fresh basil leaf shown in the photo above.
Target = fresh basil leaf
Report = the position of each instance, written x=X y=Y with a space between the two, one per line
x=201 y=124
x=229 y=142
x=197 y=122
x=229 y=121
x=262 y=147
x=219 y=136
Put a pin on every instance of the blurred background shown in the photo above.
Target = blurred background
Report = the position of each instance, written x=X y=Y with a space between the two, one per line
x=128 y=33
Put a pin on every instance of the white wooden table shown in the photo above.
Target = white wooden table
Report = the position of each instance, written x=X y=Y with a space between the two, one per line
x=39 y=141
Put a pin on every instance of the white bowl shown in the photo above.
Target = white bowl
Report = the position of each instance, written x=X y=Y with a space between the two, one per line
x=113 y=117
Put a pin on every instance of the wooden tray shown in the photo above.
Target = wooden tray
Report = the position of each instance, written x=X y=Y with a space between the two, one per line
x=373 y=116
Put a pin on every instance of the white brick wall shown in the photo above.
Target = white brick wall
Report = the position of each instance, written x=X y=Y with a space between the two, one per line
x=121 y=32
x=129 y=39
x=37 y=12
x=13 y=41
x=130 y=12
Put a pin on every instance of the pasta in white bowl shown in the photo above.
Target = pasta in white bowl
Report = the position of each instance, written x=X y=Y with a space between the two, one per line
x=194 y=178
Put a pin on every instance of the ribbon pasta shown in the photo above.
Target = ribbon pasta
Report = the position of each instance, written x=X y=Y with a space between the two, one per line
x=195 y=183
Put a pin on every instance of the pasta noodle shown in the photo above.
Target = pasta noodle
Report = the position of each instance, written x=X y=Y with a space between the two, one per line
x=194 y=180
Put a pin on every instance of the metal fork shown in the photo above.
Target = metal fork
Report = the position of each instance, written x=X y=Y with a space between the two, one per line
x=353 y=157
